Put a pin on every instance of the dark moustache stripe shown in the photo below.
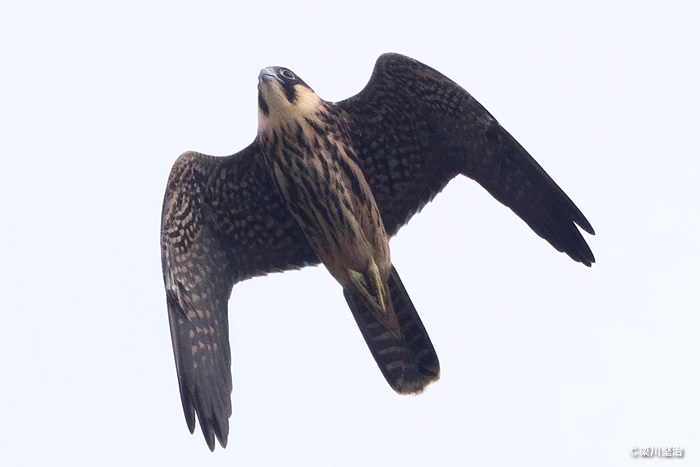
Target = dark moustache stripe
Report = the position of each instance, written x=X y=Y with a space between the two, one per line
x=289 y=91
x=263 y=105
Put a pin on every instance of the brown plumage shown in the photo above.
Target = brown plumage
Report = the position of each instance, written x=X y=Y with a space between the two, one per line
x=331 y=183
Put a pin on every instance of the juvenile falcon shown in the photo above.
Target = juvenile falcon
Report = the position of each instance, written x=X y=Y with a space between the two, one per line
x=330 y=183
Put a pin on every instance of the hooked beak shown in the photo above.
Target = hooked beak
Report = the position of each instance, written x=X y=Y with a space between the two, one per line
x=266 y=74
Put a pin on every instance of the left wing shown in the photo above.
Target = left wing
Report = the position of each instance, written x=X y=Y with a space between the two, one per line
x=414 y=130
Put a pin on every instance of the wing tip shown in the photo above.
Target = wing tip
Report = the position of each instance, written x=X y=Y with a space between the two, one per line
x=581 y=221
x=209 y=437
x=214 y=430
x=190 y=418
x=580 y=251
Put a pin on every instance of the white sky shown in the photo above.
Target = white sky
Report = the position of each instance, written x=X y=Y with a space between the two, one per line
x=544 y=361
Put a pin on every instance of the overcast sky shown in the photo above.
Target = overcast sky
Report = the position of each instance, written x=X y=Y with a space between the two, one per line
x=544 y=361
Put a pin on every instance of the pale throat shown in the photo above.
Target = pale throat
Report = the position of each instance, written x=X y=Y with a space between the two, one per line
x=284 y=115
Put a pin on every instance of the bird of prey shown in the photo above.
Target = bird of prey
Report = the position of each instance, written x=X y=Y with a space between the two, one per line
x=331 y=183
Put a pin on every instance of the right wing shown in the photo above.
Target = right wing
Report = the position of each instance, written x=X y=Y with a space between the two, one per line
x=223 y=222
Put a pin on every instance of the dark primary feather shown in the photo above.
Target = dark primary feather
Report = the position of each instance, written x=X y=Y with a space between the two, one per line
x=413 y=130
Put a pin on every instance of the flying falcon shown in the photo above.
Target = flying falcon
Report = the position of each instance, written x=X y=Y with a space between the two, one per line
x=330 y=183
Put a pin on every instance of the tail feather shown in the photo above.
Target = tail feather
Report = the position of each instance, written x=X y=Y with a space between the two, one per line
x=408 y=361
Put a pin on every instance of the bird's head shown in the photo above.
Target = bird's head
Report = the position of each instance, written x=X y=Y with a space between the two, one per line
x=284 y=97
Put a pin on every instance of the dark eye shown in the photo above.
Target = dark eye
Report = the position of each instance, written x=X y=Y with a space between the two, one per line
x=287 y=74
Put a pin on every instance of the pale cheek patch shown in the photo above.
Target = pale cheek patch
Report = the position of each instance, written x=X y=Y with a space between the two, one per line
x=307 y=101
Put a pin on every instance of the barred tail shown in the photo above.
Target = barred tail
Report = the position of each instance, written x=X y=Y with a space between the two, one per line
x=408 y=361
